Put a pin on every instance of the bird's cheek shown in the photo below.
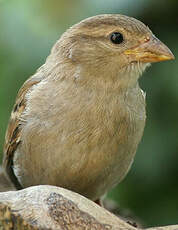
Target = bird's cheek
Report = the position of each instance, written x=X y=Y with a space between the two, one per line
x=125 y=60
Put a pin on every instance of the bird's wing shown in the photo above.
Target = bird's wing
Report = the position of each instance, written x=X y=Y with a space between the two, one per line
x=13 y=133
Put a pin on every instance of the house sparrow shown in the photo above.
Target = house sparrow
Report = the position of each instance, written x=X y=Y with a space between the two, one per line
x=78 y=120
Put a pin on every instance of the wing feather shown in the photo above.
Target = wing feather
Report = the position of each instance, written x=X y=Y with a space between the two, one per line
x=13 y=133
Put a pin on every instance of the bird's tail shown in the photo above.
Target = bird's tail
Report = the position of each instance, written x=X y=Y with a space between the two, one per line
x=5 y=183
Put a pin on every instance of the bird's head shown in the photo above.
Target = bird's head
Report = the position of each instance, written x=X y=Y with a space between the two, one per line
x=111 y=46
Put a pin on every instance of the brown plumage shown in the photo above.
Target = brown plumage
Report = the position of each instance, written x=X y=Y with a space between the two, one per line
x=78 y=120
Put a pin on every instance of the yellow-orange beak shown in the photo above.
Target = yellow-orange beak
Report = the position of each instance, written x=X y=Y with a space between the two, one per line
x=151 y=50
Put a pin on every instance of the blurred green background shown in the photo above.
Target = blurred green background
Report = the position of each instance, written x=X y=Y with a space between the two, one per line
x=28 y=30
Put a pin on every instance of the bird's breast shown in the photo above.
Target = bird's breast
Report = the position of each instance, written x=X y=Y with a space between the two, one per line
x=85 y=144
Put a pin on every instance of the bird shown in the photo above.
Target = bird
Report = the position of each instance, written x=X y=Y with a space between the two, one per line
x=78 y=120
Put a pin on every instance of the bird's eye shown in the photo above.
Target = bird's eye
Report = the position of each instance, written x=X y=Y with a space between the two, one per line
x=116 y=38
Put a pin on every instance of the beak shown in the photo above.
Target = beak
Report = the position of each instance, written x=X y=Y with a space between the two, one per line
x=151 y=50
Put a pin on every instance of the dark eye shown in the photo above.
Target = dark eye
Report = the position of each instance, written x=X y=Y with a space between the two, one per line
x=116 y=38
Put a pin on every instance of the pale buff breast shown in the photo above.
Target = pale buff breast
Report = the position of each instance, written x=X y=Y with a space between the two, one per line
x=74 y=150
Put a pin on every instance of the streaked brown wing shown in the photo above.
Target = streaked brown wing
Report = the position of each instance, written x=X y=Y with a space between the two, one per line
x=13 y=133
